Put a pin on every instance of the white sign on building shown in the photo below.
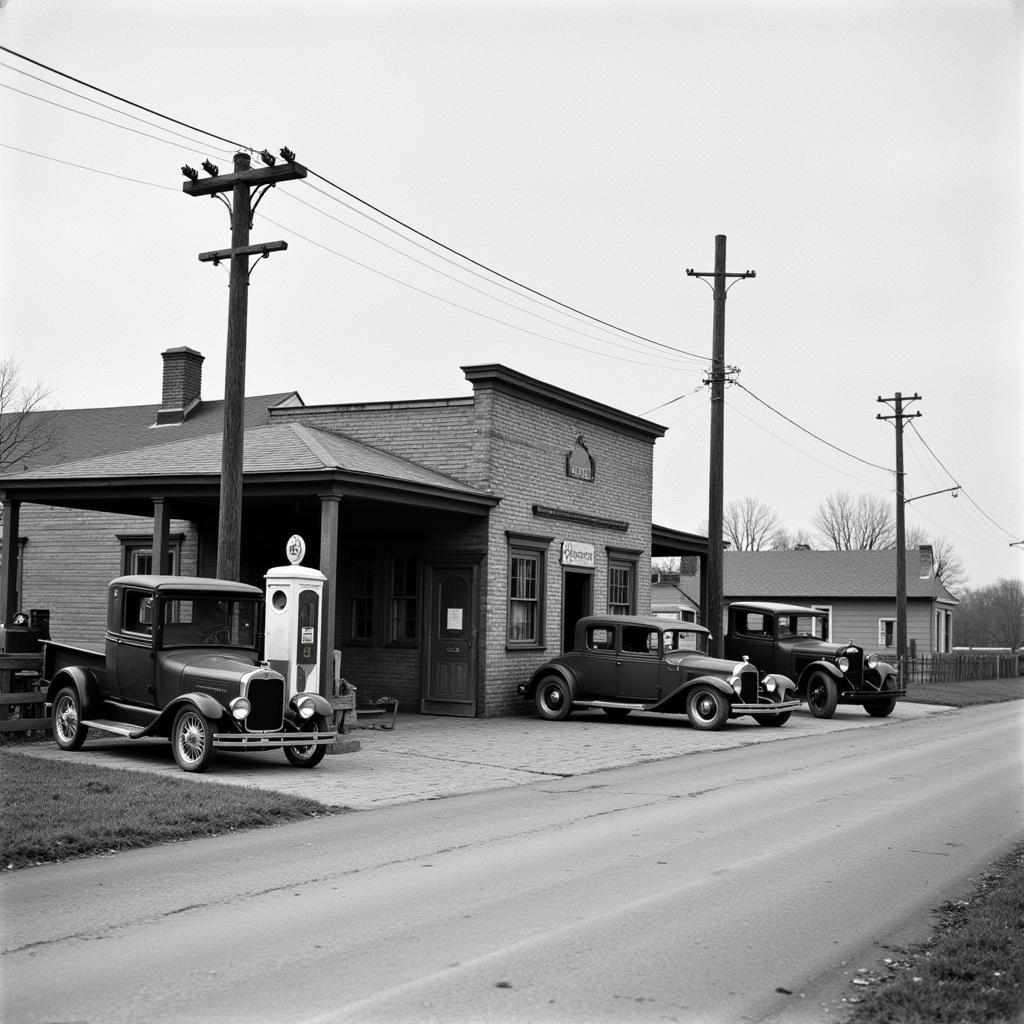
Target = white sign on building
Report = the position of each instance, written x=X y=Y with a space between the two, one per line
x=578 y=554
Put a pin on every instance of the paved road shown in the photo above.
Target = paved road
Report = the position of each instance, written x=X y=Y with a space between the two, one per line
x=687 y=889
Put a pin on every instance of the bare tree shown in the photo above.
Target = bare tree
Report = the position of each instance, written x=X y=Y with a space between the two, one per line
x=749 y=524
x=791 y=540
x=867 y=523
x=992 y=616
x=26 y=428
x=947 y=563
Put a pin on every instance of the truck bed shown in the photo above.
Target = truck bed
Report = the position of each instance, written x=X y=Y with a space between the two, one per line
x=57 y=656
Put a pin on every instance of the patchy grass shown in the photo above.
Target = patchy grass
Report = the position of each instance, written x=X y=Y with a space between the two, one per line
x=971 y=971
x=54 y=811
x=962 y=695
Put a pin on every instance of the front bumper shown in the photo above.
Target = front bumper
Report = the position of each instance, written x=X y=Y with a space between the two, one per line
x=272 y=740
x=765 y=709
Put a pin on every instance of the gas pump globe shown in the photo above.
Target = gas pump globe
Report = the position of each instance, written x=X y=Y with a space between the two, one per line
x=294 y=602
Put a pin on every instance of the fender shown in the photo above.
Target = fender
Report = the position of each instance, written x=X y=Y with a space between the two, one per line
x=206 y=705
x=85 y=684
x=679 y=694
x=323 y=706
x=551 y=670
x=819 y=666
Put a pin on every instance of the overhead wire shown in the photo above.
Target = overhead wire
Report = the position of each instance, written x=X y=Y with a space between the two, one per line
x=83 y=167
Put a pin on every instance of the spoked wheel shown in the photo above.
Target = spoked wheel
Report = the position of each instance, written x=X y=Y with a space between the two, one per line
x=822 y=695
x=553 y=698
x=707 y=708
x=308 y=756
x=192 y=740
x=67 y=726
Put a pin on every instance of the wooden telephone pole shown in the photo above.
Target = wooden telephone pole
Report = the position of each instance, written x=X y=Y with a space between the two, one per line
x=713 y=590
x=242 y=183
x=901 y=534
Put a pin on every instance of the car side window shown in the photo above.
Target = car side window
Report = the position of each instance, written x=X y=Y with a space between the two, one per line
x=639 y=640
x=138 y=612
x=600 y=638
x=754 y=624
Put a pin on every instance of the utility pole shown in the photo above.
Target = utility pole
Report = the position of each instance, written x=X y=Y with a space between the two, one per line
x=713 y=590
x=242 y=184
x=901 y=535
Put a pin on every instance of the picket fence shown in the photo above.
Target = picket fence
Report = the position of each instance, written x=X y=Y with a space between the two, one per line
x=963 y=666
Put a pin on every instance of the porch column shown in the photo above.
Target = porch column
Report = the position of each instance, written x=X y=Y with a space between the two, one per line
x=9 y=569
x=329 y=545
x=161 y=536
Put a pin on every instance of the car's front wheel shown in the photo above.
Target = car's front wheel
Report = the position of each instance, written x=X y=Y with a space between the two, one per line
x=553 y=698
x=822 y=695
x=880 y=707
x=308 y=756
x=779 y=719
x=707 y=708
x=192 y=740
x=68 y=730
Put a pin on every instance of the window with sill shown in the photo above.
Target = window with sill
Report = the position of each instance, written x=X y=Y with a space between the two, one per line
x=526 y=589
x=404 y=600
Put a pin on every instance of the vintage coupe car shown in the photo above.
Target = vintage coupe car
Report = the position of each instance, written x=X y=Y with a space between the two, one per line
x=625 y=663
x=793 y=639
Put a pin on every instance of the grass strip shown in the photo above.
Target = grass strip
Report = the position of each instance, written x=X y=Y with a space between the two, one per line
x=55 y=811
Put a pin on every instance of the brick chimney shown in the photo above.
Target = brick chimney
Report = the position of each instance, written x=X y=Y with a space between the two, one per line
x=183 y=384
x=927 y=561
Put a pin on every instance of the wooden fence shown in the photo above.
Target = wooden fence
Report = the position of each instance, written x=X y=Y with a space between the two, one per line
x=21 y=702
x=962 y=666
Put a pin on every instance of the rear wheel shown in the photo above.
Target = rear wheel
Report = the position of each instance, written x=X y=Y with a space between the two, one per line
x=880 y=707
x=553 y=698
x=308 y=756
x=192 y=740
x=707 y=708
x=822 y=695
x=67 y=727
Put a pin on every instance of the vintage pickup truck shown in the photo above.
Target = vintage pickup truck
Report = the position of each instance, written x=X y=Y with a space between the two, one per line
x=182 y=660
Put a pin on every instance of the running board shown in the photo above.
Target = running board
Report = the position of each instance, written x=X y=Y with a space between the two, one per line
x=622 y=706
x=117 y=728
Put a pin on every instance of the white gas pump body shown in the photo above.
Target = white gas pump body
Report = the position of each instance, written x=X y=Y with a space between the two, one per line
x=292 y=640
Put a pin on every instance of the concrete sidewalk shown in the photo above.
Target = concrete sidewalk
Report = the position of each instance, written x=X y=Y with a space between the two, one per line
x=427 y=757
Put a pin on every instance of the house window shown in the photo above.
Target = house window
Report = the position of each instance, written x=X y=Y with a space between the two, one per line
x=822 y=627
x=621 y=587
x=526 y=590
x=362 y=600
x=404 y=599
x=137 y=555
x=886 y=632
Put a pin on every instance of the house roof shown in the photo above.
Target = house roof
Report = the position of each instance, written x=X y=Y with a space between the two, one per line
x=778 y=575
x=87 y=433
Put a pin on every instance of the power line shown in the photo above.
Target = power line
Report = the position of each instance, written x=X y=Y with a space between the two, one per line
x=94 y=170
x=122 y=99
x=810 y=433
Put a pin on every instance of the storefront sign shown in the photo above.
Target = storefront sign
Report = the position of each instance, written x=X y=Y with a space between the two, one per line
x=577 y=554
x=579 y=464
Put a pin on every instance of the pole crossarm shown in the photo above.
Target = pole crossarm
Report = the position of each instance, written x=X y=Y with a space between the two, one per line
x=260 y=249
x=254 y=176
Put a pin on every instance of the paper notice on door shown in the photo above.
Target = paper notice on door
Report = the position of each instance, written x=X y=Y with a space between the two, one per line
x=455 y=619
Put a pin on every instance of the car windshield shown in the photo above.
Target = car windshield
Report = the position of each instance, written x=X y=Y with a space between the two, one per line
x=209 y=622
x=685 y=640
x=802 y=625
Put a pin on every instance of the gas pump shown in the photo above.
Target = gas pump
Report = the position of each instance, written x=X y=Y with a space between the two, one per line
x=294 y=601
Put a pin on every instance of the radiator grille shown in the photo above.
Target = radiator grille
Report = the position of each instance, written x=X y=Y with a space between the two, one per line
x=267 y=699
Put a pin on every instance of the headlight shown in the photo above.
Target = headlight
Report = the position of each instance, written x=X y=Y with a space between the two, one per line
x=844 y=663
x=770 y=685
x=306 y=707
x=736 y=682
x=871 y=661
x=240 y=708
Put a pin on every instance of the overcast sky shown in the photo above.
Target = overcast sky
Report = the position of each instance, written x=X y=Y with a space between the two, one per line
x=864 y=158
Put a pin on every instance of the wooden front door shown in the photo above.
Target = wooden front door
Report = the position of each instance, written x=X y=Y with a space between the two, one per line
x=451 y=654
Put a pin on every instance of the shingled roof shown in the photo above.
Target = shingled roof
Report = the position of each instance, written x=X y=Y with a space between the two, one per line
x=824 y=575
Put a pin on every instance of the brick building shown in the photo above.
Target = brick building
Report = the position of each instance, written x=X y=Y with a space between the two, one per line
x=461 y=537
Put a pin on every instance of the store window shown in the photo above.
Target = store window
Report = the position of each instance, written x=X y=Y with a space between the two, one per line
x=526 y=586
x=621 y=586
x=361 y=624
x=404 y=599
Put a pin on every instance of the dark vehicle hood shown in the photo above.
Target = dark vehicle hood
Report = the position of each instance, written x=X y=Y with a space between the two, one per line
x=693 y=661
x=209 y=671
x=813 y=647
